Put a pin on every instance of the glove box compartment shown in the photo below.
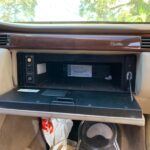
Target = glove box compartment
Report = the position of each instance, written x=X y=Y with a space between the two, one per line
x=81 y=87
x=78 y=72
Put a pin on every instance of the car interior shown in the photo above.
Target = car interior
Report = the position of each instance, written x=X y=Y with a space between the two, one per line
x=85 y=73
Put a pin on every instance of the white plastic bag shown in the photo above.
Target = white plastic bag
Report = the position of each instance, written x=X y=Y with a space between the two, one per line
x=56 y=130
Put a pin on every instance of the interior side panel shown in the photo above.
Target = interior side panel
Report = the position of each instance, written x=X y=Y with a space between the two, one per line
x=30 y=134
x=6 y=82
x=143 y=75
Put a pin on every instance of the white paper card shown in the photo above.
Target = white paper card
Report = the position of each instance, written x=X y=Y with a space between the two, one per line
x=29 y=90
x=41 y=68
x=80 y=71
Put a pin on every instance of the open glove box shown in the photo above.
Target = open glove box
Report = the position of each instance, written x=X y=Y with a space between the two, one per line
x=75 y=86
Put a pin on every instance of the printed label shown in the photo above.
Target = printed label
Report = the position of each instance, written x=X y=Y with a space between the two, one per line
x=80 y=71
x=29 y=90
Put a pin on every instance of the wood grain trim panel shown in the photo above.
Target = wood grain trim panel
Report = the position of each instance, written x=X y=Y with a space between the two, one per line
x=75 y=42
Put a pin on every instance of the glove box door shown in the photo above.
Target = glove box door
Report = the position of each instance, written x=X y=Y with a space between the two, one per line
x=74 y=104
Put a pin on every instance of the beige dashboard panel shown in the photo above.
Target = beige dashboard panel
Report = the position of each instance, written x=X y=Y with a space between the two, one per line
x=142 y=87
x=143 y=75
x=31 y=124
x=144 y=103
x=6 y=82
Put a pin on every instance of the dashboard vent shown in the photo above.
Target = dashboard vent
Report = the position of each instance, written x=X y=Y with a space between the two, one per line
x=145 y=42
x=4 y=40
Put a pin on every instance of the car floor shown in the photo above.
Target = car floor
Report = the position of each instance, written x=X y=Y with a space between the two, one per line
x=23 y=133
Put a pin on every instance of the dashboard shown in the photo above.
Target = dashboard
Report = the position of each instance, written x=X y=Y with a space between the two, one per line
x=116 y=50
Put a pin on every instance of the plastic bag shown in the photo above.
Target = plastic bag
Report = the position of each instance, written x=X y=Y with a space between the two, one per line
x=56 y=130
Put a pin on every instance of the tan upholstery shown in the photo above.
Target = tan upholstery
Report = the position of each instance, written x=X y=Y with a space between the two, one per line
x=20 y=133
x=16 y=133
x=143 y=74
x=144 y=103
x=132 y=137
x=38 y=143
x=6 y=82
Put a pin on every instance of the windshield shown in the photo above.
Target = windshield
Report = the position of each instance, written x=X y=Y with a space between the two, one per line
x=113 y=11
